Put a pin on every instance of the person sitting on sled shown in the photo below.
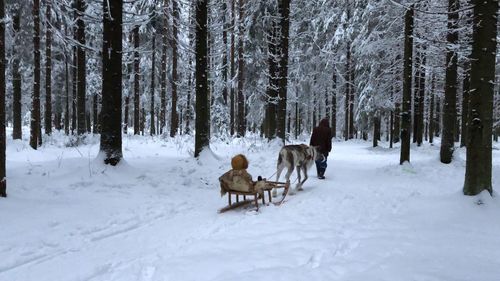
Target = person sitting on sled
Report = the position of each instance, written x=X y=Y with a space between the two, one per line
x=238 y=179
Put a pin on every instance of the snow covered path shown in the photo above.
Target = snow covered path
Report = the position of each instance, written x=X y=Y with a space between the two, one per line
x=155 y=217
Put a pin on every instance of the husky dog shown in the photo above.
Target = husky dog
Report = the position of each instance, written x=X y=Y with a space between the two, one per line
x=300 y=156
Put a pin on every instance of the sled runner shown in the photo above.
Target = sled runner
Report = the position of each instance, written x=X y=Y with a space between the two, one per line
x=255 y=194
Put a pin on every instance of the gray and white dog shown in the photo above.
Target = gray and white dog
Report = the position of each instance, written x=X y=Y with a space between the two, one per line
x=299 y=156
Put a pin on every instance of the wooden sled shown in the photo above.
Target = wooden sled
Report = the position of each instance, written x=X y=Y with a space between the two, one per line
x=270 y=185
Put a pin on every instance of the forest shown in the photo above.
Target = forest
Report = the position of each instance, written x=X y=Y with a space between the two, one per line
x=409 y=83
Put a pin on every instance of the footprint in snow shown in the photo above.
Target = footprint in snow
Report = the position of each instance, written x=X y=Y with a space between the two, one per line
x=147 y=273
x=315 y=259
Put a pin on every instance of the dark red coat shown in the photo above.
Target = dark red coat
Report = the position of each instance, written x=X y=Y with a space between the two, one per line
x=322 y=137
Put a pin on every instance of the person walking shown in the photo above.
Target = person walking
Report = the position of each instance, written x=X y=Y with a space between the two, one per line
x=322 y=138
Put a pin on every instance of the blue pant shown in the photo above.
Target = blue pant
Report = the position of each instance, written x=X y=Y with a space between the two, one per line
x=321 y=166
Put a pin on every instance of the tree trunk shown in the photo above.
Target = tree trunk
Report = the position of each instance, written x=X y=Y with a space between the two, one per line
x=272 y=91
x=74 y=83
x=465 y=106
x=450 y=92
x=111 y=111
x=174 y=120
x=431 y=110
x=152 y=129
x=479 y=144
x=87 y=122
x=143 y=120
x=225 y=28
x=376 y=130
x=82 y=68
x=66 y=75
x=407 y=72
x=334 y=104
x=35 y=108
x=241 y=79
x=163 y=79
x=125 y=116
x=397 y=122
x=202 y=109
x=3 y=179
x=391 y=128
x=232 y=53
x=284 y=9
x=48 y=69
x=17 y=132
x=137 y=78
x=421 y=97
x=347 y=91
x=351 y=104
x=416 y=90
x=59 y=86
x=95 y=114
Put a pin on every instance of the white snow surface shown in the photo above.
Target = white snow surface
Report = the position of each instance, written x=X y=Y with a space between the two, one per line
x=154 y=217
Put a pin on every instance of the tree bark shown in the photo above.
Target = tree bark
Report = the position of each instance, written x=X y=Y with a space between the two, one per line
x=450 y=92
x=111 y=112
x=16 y=79
x=407 y=73
x=431 y=110
x=334 y=104
x=465 y=106
x=225 y=28
x=66 y=75
x=479 y=143
x=48 y=68
x=3 y=179
x=416 y=92
x=376 y=130
x=137 y=78
x=202 y=109
x=347 y=92
x=351 y=103
x=74 y=83
x=163 y=79
x=125 y=116
x=421 y=97
x=284 y=9
x=35 y=107
x=95 y=114
x=82 y=68
x=152 y=129
x=397 y=122
x=232 y=60
x=272 y=91
x=241 y=79
x=174 y=125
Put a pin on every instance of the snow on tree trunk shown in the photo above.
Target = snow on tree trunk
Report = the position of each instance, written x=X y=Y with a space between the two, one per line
x=482 y=75
x=48 y=69
x=201 y=74
x=137 y=61
x=35 y=106
x=450 y=91
x=407 y=72
x=3 y=179
x=16 y=78
x=111 y=112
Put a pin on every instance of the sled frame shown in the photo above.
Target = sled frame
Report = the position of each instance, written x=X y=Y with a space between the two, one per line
x=270 y=185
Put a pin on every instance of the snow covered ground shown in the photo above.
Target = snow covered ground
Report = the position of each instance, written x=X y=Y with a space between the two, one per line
x=155 y=217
